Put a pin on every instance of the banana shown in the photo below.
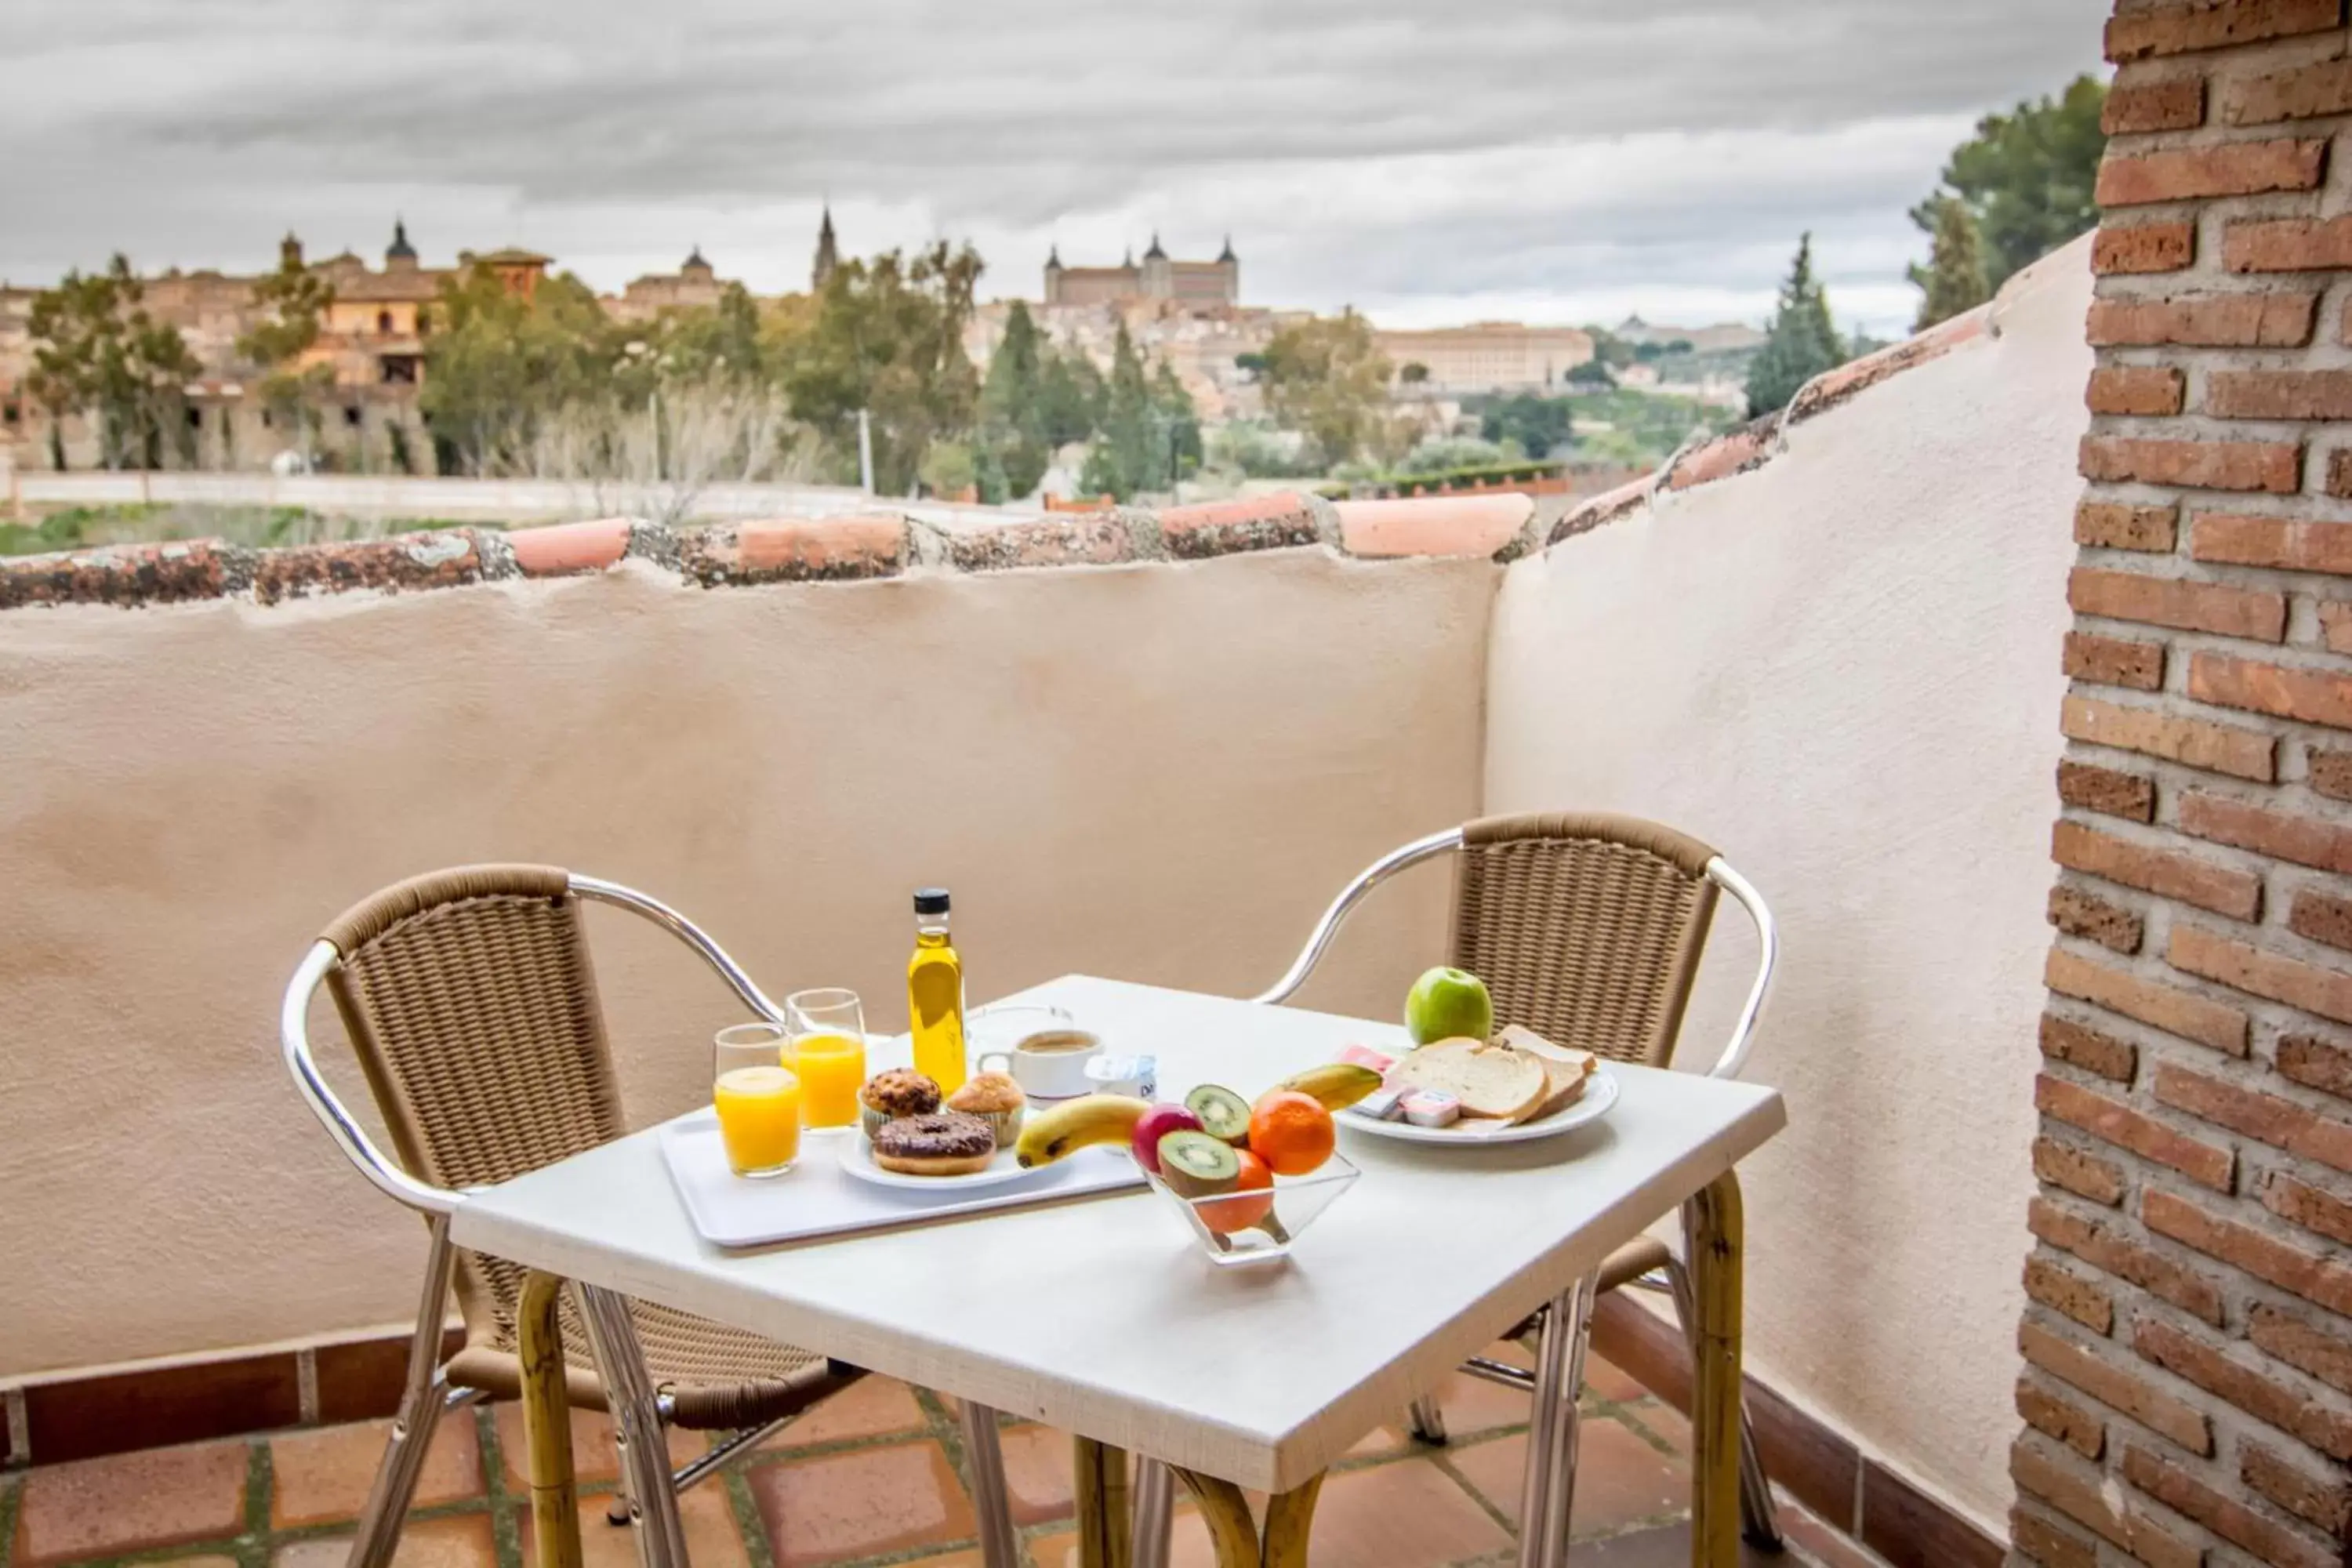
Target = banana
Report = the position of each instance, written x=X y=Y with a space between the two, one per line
x=1077 y=1124
x=1335 y=1086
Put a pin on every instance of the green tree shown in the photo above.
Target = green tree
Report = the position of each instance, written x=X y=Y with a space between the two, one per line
x=2027 y=177
x=1173 y=409
x=1953 y=279
x=96 y=349
x=1129 y=447
x=1799 y=343
x=889 y=339
x=1013 y=416
x=1594 y=372
x=503 y=364
x=292 y=300
x=1073 y=396
x=1327 y=378
x=1414 y=374
x=1536 y=423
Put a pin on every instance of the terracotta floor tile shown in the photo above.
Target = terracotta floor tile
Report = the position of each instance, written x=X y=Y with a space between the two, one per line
x=1609 y=1380
x=712 y=1539
x=870 y=1407
x=1472 y=1405
x=321 y=1476
x=459 y=1540
x=861 y=1503
x=1619 y=1477
x=1393 y=1439
x=1188 y=1546
x=1667 y=1422
x=593 y=1458
x=96 y=1507
x=1038 y=1462
x=1408 y=1514
x=966 y=1559
x=1666 y=1546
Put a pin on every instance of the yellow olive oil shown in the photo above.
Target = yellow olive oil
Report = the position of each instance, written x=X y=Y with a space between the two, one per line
x=935 y=994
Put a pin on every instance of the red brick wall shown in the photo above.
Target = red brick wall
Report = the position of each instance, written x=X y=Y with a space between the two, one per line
x=2187 y=1393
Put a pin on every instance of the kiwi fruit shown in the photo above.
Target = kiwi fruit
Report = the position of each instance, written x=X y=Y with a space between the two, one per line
x=1223 y=1113
x=1198 y=1165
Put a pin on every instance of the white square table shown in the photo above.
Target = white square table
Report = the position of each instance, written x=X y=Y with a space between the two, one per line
x=1103 y=1317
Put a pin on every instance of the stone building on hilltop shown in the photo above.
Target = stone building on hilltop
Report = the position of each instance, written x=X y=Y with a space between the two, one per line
x=1157 y=278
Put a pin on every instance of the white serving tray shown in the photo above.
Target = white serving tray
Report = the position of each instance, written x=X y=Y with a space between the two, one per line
x=816 y=1198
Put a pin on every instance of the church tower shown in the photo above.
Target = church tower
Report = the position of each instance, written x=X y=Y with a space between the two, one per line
x=1159 y=278
x=1229 y=268
x=1054 y=275
x=827 y=257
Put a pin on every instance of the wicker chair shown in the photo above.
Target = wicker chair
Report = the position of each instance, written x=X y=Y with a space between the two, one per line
x=468 y=998
x=1587 y=929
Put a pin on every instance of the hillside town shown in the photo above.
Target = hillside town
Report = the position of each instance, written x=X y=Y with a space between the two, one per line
x=329 y=365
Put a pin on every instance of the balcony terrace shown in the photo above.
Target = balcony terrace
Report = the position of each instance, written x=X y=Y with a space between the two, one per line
x=1150 y=747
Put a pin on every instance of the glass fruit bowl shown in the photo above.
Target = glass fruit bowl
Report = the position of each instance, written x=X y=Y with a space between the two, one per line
x=1254 y=1227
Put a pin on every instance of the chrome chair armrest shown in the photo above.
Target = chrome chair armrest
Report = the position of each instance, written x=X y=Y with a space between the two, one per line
x=293 y=1035
x=1371 y=877
x=1767 y=942
x=686 y=931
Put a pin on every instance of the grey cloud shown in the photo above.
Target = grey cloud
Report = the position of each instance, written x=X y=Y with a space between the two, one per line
x=1012 y=118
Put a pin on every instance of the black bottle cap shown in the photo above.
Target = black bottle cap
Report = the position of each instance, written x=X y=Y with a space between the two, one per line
x=930 y=901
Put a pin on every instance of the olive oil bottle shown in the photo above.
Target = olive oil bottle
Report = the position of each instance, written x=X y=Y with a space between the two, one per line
x=935 y=994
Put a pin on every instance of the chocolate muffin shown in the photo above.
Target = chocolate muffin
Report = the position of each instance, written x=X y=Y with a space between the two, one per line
x=901 y=1092
x=943 y=1144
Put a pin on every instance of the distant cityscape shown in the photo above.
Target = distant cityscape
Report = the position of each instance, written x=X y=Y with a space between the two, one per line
x=1189 y=315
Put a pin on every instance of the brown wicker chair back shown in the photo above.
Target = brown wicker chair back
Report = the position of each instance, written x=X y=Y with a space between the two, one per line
x=1586 y=927
x=470 y=999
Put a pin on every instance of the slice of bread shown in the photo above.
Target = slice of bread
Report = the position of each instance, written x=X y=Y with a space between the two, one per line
x=1489 y=1080
x=1566 y=1070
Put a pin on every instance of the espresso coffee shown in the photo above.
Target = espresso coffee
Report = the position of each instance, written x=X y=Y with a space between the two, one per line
x=1046 y=1044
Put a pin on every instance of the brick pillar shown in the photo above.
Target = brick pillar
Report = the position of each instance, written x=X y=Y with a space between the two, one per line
x=2187 y=1394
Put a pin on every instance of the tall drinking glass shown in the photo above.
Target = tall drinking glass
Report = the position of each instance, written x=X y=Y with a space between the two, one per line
x=758 y=1100
x=828 y=1052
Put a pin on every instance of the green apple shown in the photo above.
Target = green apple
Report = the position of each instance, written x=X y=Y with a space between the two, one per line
x=1447 y=1004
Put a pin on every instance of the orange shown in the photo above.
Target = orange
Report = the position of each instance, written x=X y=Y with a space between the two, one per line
x=1226 y=1215
x=1290 y=1132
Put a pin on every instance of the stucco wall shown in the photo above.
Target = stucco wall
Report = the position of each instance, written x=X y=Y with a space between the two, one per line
x=1158 y=772
x=1843 y=669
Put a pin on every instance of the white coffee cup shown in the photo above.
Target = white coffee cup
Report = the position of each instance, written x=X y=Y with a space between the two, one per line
x=1050 y=1063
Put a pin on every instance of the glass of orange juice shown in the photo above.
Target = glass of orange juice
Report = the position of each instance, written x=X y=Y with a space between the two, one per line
x=828 y=1052
x=758 y=1100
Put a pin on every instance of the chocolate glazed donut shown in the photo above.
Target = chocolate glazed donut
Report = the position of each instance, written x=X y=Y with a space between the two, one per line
x=944 y=1144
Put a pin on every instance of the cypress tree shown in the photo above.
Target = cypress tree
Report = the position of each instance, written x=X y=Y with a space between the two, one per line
x=1801 y=341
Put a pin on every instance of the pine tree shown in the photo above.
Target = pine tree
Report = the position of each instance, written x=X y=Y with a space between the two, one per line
x=1801 y=341
x=1953 y=279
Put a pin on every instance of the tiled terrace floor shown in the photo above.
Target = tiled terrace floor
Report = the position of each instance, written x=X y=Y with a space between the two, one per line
x=872 y=1477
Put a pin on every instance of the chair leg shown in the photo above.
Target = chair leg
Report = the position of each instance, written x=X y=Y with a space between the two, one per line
x=1759 y=1520
x=1155 y=1513
x=637 y=1426
x=999 y=1542
x=421 y=1401
x=1428 y=1419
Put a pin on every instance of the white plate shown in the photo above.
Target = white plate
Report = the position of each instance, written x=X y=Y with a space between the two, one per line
x=1599 y=1096
x=857 y=1159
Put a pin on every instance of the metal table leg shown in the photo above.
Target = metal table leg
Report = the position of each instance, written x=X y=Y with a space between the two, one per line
x=999 y=1542
x=1712 y=1227
x=547 y=1422
x=637 y=1423
x=1155 y=1513
x=1550 y=1484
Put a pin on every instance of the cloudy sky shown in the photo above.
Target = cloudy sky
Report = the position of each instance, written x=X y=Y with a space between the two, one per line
x=1540 y=160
